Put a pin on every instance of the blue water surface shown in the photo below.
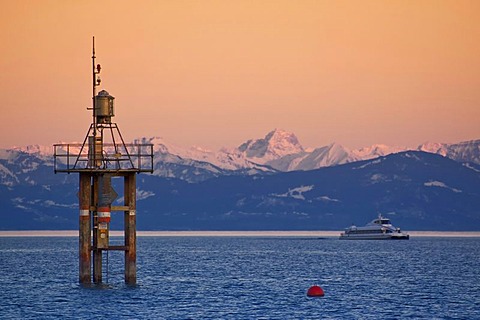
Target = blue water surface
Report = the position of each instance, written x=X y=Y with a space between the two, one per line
x=246 y=278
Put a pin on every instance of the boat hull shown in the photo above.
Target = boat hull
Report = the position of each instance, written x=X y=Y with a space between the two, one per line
x=375 y=237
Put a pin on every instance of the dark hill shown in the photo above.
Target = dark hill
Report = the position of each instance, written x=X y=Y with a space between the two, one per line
x=417 y=190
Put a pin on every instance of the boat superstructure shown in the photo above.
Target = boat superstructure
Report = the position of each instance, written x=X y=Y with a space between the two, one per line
x=378 y=229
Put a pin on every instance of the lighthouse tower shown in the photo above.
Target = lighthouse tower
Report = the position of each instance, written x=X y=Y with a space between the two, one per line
x=104 y=155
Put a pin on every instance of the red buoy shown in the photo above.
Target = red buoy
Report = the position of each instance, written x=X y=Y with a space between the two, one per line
x=315 y=291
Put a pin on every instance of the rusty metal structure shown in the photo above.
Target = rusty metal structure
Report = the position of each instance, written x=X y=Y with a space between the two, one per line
x=102 y=156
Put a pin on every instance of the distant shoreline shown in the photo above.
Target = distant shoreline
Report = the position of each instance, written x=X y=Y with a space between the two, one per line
x=313 y=234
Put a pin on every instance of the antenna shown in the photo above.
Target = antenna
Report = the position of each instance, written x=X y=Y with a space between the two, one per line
x=95 y=83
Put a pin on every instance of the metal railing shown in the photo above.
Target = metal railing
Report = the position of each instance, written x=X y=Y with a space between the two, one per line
x=113 y=157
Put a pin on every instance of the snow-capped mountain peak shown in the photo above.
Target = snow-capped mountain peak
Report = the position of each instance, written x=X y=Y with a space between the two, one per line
x=275 y=144
x=159 y=144
x=434 y=147
x=376 y=150
x=466 y=151
x=332 y=154
x=35 y=149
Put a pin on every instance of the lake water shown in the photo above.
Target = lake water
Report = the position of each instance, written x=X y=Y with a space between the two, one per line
x=246 y=278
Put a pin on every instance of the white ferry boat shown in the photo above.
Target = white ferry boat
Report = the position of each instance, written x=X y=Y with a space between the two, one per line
x=378 y=229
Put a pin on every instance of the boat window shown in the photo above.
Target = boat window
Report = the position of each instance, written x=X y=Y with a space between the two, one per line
x=385 y=221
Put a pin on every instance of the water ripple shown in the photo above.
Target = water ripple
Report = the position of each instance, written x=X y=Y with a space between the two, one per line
x=246 y=278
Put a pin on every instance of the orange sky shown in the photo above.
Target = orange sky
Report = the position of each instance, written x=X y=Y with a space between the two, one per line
x=216 y=73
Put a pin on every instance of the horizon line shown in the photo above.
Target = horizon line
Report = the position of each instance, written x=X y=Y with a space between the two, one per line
x=227 y=233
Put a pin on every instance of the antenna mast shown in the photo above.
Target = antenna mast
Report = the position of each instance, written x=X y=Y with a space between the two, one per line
x=95 y=83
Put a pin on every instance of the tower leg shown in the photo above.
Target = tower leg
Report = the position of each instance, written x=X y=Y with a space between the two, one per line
x=130 y=229
x=97 y=266
x=84 y=229
x=97 y=254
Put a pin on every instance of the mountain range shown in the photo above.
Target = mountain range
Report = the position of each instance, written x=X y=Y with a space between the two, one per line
x=280 y=151
x=271 y=183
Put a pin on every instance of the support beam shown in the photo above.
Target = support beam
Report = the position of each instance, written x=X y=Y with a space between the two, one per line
x=84 y=254
x=130 y=229
x=97 y=254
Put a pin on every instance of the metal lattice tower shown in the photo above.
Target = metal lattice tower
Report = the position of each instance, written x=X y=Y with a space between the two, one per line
x=103 y=155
